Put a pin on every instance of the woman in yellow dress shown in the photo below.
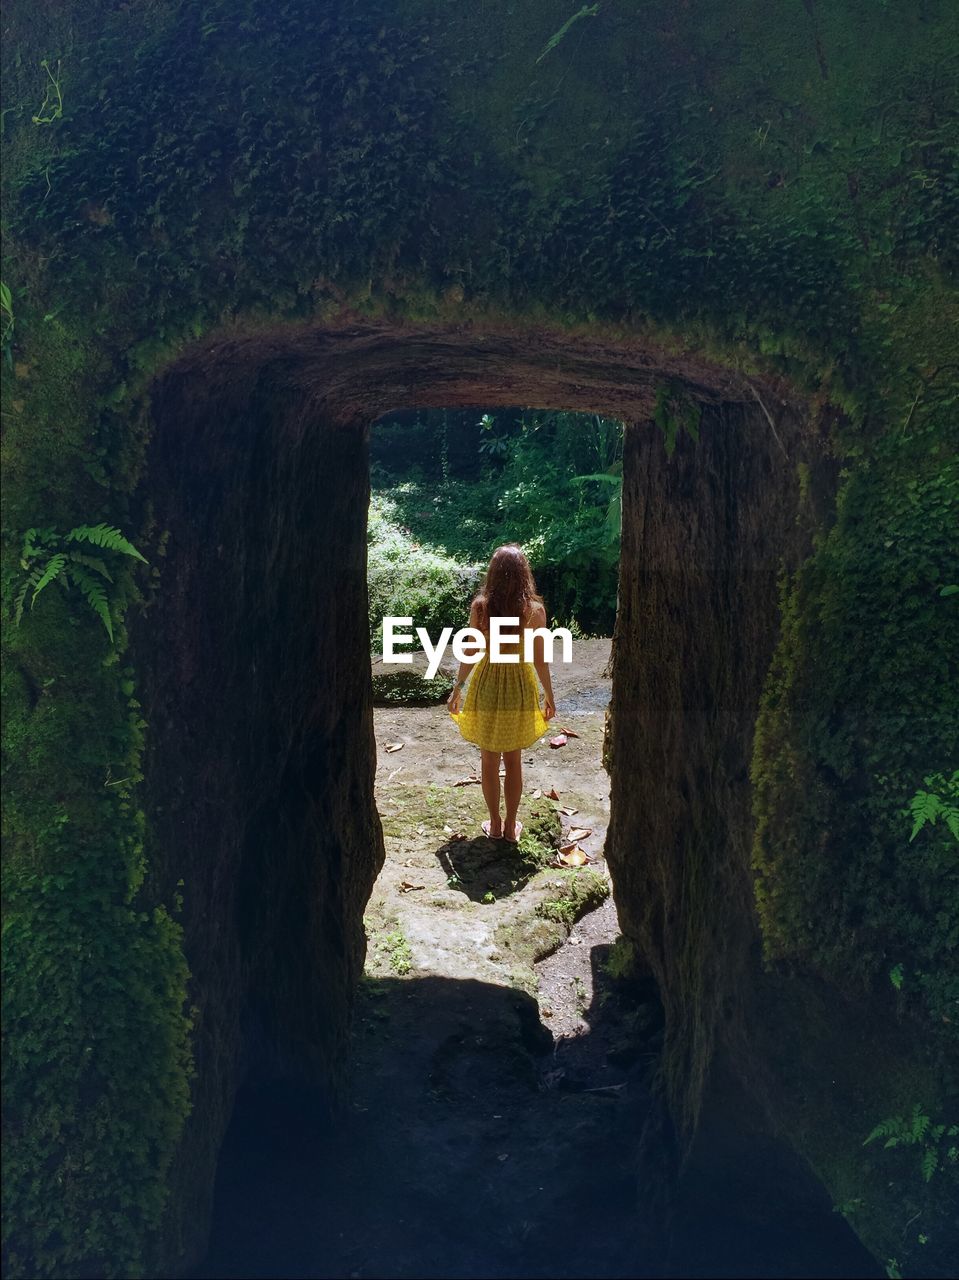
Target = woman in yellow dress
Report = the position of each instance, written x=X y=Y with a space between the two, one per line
x=501 y=712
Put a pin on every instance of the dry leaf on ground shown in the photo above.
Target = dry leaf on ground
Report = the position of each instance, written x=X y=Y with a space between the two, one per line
x=578 y=833
x=567 y=812
x=407 y=887
x=570 y=733
x=552 y=795
x=464 y=782
x=394 y=746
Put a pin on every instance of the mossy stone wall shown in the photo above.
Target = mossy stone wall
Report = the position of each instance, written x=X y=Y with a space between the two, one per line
x=772 y=194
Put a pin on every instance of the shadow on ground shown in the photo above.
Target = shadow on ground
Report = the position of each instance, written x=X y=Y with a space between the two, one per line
x=482 y=866
x=473 y=1145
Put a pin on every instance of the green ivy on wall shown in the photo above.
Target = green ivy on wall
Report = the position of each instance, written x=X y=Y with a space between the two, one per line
x=782 y=197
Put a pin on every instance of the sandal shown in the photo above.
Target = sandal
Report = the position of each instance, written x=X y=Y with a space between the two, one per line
x=519 y=832
x=485 y=829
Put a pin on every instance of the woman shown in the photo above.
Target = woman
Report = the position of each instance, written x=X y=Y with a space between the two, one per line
x=501 y=711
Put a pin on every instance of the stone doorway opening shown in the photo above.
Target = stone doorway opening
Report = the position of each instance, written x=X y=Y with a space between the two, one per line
x=261 y=763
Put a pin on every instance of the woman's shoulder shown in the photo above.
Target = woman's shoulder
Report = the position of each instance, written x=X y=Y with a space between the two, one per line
x=536 y=616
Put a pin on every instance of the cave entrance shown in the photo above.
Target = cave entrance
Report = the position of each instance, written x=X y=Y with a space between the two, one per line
x=447 y=487
x=255 y=668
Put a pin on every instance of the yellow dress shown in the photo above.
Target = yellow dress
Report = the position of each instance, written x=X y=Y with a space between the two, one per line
x=501 y=710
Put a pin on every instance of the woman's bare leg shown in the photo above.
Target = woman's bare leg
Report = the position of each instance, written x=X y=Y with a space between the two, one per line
x=490 y=775
x=513 y=786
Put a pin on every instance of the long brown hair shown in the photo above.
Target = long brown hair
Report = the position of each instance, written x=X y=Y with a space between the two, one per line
x=508 y=590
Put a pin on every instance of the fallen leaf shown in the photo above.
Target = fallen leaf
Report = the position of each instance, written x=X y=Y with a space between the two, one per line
x=575 y=942
x=464 y=782
x=573 y=856
x=568 y=812
x=537 y=794
x=447 y=830
x=558 y=741
x=394 y=746
x=578 y=833
x=407 y=887
x=553 y=795
x=570 y=733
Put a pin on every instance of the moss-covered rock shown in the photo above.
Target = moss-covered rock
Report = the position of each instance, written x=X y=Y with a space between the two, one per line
x=232 y=238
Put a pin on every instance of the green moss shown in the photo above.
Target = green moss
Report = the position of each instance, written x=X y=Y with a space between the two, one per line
x=542 y=829
x=409 y=689
x=861 y=704
x=834 y=1074
x=582 y=891
x=777 y=197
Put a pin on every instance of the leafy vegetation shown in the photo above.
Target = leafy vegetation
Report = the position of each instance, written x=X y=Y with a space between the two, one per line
x=551 y=481
x=780 y=197
x=861 y=698
x=47 y=557
x=927 y=807
x=936 y=1142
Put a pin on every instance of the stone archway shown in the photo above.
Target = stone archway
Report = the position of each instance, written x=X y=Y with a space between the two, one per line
x=259 y=771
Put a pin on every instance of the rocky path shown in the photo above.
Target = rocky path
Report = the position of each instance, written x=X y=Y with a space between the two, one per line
x=501 y=1063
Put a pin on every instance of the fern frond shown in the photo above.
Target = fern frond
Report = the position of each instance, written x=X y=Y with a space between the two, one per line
x=920 y=1124
x=94 y=594
x=925 y=807
x=603 y=476
x=104 y=535
x=52 y=570
x=882 y=1130
x=33 y=577
x=34 y=540
x=92 y=562
x=930 y=1163
x=587 y=11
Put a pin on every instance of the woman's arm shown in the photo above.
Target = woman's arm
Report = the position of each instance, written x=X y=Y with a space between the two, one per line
x=453 y=701
x=538 y=619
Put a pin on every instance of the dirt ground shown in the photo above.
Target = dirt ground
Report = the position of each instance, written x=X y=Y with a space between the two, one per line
x=501 y=1069
x=461 y=904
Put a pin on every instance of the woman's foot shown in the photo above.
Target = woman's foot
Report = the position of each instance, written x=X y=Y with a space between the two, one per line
x=512 y=831
x=493 y=828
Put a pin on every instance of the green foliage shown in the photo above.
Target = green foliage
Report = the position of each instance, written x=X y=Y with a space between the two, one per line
x=861 y=699
x=6 y=323
x=936 y=1142
x=394 y=950
x=621 y=963
x=407 y=579
x=674 y=411
x=52 y=106
x=46 y=558
x=405 y=688
x=587 y=11
x=927 y=807
x=553 y=483
x=96 y=1056
x=225 y=170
